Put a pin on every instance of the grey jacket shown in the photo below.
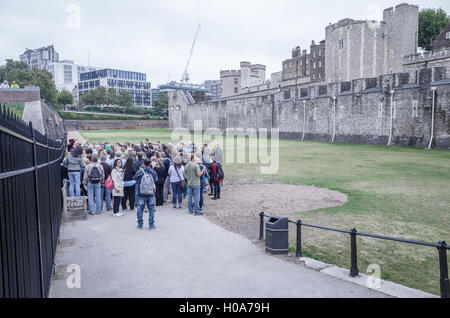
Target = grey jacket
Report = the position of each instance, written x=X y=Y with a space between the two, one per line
x=88 y=170
x=218 y=155
x=72 y=163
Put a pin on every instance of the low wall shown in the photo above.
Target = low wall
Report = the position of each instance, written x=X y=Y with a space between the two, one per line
x=115 y=124
x=19 y=96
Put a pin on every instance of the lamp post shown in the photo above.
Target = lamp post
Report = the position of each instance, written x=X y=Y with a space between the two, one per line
x=304 y=119
x=392 y=114
x=334 y=118
x=433 y=89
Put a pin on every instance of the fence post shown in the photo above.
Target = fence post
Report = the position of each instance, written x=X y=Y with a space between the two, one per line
x=298 y=251
x=38 y=221
x=50 y=192
x=354 y=257
x=444 y=281
x=261 y=226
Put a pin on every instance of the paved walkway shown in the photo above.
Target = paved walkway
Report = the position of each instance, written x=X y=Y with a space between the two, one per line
x=185 y=256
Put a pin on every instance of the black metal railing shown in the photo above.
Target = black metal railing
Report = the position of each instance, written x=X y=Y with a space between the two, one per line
x=30 y=207
x=441 y=246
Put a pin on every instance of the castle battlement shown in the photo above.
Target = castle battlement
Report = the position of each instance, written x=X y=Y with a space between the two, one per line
x=426 y=56
x=230 y=73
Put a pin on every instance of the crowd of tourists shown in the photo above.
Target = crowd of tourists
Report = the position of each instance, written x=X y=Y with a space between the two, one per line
x=128 y=176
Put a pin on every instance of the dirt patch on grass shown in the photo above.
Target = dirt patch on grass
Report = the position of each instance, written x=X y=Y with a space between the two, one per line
x=240 y=204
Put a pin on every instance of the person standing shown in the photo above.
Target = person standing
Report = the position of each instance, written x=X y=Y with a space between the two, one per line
x=161 y=172
x=117 y=176
x=203 y=178
x=217 y=177
x=176 y=173
x=94 y=177
x=192 y=174
x=4 y=84
x=146 y=179
x=167 y=161
x=106 y=193
x=129 y=184
x=74 y=164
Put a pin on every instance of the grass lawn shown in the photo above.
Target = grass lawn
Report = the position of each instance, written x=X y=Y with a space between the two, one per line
x=16 y=109
x=398 y=191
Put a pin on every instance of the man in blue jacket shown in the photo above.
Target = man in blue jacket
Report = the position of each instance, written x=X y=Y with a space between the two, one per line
x=145 y=199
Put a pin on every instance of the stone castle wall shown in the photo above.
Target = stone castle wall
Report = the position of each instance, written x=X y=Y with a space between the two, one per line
x=362 y=113
x=72 y=125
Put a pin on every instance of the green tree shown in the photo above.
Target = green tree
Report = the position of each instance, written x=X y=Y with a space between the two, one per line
x=100 y=95
x=19 y=72
x=431 y=23
x=162 y=103
x=65 y=97
x=111 y=96
x=11 y=65
x=125 y=100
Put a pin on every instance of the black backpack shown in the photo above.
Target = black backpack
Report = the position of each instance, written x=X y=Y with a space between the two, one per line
x=94 y=177
x=219 y=172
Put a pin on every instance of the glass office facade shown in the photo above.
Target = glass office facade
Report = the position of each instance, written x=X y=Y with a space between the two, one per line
x=133 y=82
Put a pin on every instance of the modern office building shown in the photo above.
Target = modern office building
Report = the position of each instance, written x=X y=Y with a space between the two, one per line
x=66 y=74
x=133 y=82
x=40 y=58
x=213 y=87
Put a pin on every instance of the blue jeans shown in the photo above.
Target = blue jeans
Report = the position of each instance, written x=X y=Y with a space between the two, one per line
x=150 y=201
x=194 y=207
x=95 y=191
x=107 y=194
x=202 y=189
x=74 y=179
x=177 y=193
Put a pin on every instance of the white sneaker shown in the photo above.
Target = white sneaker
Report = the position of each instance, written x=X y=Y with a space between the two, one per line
x=118 y=214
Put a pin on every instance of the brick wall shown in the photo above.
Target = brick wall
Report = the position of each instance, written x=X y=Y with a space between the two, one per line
x=19 y=96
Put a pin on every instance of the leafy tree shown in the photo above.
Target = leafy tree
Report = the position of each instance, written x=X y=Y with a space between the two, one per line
x=96 y=96
x=431 y=23
x=65 y=97
x=162 y=103
x=19 y=72
x=125 y=100
x=111 y=96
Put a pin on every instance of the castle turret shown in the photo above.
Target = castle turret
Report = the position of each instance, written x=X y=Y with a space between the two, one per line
x=402 y=25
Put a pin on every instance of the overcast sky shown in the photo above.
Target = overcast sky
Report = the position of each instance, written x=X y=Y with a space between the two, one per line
x=155 y=37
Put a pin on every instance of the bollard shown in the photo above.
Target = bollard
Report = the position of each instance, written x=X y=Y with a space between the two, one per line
x=261 y=226
x=354 y=257
x=298 y=252
x=444 y=281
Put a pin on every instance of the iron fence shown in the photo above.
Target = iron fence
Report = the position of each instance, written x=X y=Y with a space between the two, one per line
x=441 y=246
x=30 y=207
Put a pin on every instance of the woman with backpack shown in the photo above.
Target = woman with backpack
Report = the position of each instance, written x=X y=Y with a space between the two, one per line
x=176 y=173
x=117 y=192
x=217 y=178
x=129 y=184
x=74 y=164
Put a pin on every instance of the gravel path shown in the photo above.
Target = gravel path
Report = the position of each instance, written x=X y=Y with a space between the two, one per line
x=240 y=204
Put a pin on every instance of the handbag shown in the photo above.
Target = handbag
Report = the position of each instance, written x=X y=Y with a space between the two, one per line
x=183 y=183
x=109 y=183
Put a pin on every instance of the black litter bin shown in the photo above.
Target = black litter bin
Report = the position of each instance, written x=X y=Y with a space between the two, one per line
x=277 y=235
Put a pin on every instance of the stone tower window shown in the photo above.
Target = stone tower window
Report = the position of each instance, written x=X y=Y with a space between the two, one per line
x=341 y=44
